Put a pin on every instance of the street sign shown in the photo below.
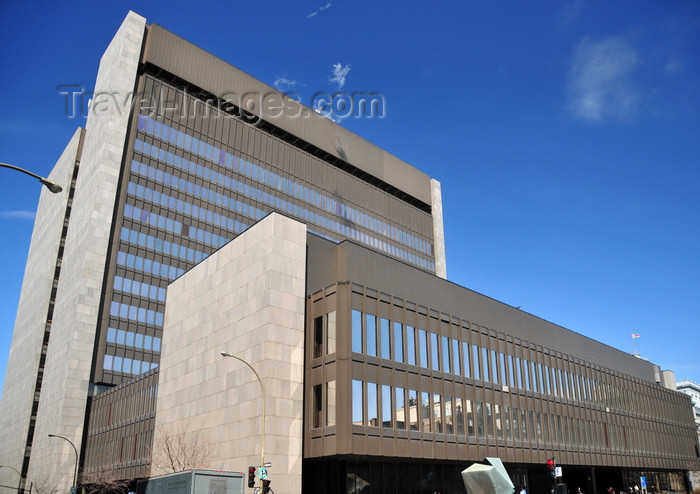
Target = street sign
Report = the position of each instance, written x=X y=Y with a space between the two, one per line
x=256 y=490
x=262 y=473
x=558 y=472
x=643 y=481
x=267 y=464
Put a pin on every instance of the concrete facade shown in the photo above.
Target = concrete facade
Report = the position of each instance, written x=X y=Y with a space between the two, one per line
x=36 y=296
x=69 y=358
x=426 y=377
x=522 y=362
x=438 y=229
x=247 y=299
x=62 y=405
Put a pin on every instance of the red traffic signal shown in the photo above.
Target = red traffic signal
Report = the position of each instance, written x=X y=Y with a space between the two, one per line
x=251 y=476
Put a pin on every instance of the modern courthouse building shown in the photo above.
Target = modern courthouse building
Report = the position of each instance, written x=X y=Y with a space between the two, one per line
x=215 y=214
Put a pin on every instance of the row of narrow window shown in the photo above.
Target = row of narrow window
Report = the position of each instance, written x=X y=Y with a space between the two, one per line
x=139 y=288
x=135 y=313
x=390 y=407
x=123 y=407
x=188 y=209
x=258 y=195
x=121 y=449
x=379 y=337
x=259 y=174
x=202 y=213
x=132 y=339
x=199 y=191
x=166 y=247
x=148 y=266
x=301 y=192
x=127 y=365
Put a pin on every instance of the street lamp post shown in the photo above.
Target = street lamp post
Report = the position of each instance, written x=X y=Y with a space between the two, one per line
x=52 y=186
x=75 y=472
x=264 y=399
x=19 y=486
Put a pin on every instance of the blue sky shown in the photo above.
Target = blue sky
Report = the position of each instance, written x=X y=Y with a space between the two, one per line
x=566 y=136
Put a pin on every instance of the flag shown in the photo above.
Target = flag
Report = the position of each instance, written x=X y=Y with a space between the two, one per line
x=635 y=335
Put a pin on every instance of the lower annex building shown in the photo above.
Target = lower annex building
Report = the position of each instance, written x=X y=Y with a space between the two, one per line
x=317 y=258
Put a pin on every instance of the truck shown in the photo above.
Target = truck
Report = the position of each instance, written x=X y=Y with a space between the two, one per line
x=193 y=482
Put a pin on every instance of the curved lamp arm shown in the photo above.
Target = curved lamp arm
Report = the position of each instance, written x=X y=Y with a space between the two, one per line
x=75 y=473
x=52 y=186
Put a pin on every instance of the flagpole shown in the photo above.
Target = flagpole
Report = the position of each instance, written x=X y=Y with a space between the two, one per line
x=634 y=347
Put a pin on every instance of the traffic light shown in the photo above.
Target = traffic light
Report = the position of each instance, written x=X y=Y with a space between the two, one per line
x=266 y=486
x=251 y=477
x=551 y=467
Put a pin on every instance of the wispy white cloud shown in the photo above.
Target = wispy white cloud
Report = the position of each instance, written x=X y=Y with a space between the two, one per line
x=283 y=84
x=18 y=215
x=320 y=9
x=601 y=80
x=340 y=72
x=326 y=112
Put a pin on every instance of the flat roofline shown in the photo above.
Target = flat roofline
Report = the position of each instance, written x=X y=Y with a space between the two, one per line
x=173 y=54
x=282 y=134
x=352 y=262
